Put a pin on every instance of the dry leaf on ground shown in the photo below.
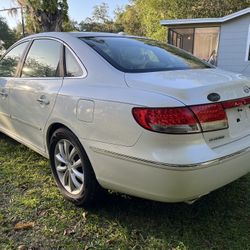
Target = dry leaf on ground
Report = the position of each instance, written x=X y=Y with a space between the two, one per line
x=21 y=225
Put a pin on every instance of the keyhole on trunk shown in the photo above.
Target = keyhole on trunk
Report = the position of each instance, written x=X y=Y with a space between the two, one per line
x=238 y=120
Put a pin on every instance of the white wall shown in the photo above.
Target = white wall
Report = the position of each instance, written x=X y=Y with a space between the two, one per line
x=233 y=45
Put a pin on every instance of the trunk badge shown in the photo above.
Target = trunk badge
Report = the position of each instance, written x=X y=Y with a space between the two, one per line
x=246 y=89
x=213 y=97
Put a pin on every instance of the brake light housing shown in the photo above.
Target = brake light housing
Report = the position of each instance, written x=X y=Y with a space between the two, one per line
x=182 y=120
x=211 y=116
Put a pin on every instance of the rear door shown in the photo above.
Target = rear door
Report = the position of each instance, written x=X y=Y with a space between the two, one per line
x=33 y=94
x=8 y=69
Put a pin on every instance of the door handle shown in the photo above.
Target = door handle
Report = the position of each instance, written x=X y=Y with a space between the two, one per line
x=3 y=93
x=43 y=100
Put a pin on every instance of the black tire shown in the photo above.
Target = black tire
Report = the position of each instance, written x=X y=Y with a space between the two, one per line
x=92 y=190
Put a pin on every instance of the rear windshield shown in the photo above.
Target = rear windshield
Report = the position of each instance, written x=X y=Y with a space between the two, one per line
x=135 y=55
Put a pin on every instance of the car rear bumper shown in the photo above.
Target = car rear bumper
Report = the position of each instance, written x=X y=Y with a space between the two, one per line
x=164 y=182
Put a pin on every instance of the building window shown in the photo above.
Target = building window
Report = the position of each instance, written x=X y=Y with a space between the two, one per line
x=202 y=42
x=182 y=38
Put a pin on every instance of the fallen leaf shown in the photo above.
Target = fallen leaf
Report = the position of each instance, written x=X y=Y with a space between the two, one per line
x=84 y=215
x=22 y=247
x=21 y=225
x=110 y=241
x=83 y=235
x=69 y=232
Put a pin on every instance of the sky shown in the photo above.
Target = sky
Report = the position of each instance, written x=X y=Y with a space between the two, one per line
x=78 y=9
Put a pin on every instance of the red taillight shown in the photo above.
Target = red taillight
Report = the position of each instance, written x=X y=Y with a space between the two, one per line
x=211 y=116
x=167 y=120
x=180 y=120
x=236 y=103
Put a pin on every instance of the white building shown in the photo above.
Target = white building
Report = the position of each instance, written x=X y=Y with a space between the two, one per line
x=223 y=41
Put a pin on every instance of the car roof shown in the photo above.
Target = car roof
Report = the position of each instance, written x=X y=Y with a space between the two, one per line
x=89 y=34
x=77 y=34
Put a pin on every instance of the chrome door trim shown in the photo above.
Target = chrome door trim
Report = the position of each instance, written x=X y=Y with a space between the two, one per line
x=5 y=114
x=26 y=143
x=169 y=166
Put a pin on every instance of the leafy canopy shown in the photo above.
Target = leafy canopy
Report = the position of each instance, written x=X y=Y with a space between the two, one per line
x=142 y=17
x=7 y=37
x=45 y=15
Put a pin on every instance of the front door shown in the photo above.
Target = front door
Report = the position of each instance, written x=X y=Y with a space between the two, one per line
x=32 y=96
x=8 y=69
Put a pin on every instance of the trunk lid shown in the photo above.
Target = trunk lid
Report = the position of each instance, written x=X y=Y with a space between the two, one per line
x=192 y=87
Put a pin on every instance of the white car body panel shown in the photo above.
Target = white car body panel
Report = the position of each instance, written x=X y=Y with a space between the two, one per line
x=191 y=87
x=28 y=115
x=4 y=104
x=125 y=157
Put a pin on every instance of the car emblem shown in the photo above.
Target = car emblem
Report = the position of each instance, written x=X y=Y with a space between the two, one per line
x=213 y=97
x=246 y=89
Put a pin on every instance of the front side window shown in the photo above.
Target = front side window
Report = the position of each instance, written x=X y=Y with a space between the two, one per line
x=72 y=68
x=142 y=55
x=9 y=63
x=43 y=59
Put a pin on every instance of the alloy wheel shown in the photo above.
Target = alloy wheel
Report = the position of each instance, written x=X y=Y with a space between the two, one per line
x=69 y=166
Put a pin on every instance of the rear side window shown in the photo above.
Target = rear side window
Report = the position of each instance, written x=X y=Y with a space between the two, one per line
x=72 y=68
x=43 y=59
x=143 y=55
x=9 y=63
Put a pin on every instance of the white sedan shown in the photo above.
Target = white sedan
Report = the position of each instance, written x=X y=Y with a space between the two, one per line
x=125 y=113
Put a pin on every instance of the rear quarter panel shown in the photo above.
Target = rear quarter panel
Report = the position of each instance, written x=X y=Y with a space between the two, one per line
x=112 y=122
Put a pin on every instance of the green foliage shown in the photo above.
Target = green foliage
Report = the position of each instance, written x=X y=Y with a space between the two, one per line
x=130 y=20
x=6 y=35
x=18 y=31
x=100 y=13
x=70 y=25
x=142 y=17
x=45 y=15
x=100 y=21
x=216 y=8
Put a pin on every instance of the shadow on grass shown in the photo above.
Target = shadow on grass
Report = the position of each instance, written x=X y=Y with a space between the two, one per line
x=220 y=220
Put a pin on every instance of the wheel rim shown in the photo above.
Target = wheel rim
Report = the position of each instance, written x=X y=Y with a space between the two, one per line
x=69 y=166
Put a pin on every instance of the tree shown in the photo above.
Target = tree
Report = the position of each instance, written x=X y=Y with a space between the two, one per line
x=143 y=16
x=100 y=13
x=45 y=15
x=70 y=25
x=217 y=8
x=6 y=35
x=100 y=21
x=18 y=31
x=129 y=20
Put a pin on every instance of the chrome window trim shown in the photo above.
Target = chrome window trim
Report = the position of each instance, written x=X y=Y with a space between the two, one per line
x=247 y=59
x=84 y=70
x=13 y=46
x=41 y=78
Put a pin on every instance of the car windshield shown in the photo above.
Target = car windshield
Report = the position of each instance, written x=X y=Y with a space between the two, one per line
x=135 y=55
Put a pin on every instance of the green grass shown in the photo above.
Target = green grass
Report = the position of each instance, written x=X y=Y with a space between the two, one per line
x=220 y=220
